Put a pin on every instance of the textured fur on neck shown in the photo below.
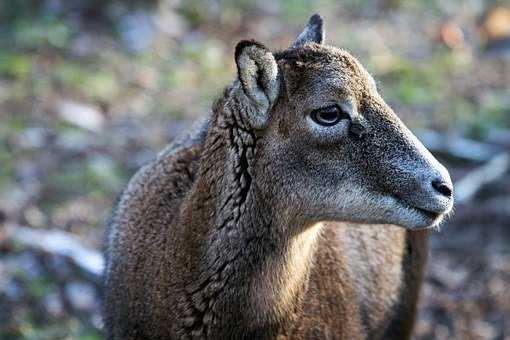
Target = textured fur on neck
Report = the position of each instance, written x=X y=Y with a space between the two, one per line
x=248 y=273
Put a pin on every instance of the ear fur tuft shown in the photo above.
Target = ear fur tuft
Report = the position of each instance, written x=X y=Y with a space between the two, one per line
x=245 y=43
x=258 y=74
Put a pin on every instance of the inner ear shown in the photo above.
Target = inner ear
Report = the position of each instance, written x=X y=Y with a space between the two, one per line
x=259 y=76
x=313 y=32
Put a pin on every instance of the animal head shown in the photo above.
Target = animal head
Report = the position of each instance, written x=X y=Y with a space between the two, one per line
x=329 y=147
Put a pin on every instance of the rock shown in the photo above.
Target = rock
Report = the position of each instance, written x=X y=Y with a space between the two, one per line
x=74 y=140
x=170 y=22
x=32 y=138
x=53 y=304
x=81 y=296
x=137 y=30
x=83 y=115
x=35 y=217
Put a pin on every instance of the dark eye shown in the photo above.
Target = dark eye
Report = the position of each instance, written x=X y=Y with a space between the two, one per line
x=329 y=115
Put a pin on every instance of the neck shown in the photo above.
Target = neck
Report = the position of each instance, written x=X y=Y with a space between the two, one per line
x=249 y=266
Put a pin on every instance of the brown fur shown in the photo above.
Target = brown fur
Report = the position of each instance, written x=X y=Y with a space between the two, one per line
x=229 y=233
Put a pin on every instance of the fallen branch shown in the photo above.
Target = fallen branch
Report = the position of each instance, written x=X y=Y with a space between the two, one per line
x=499 y=136
x=57 y=242
x=458 y=147
x=491 y=171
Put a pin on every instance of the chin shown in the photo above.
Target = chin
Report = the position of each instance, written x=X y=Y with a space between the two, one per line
x=418 y=219
x=428 y=224
x=384 y=210
x=414 y=218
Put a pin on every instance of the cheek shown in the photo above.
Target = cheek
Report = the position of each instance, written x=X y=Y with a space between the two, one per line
x=318 y=161
x=320 y=167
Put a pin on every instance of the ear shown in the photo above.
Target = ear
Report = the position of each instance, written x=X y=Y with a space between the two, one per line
x=258 y=74
x=313 y=32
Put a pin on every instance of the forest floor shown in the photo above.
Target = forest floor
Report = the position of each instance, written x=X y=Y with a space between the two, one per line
x=88 y=95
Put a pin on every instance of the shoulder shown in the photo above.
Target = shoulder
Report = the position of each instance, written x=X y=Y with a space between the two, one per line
x=158 y=187
x=176 y=162
x=191 y=138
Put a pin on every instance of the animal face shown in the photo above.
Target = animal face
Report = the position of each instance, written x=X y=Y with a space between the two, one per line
x=331 y=148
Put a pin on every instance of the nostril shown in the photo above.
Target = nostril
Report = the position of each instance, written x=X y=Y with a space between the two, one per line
x=442 y=187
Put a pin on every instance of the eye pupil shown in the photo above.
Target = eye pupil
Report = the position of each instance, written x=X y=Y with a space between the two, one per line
x=328 y=116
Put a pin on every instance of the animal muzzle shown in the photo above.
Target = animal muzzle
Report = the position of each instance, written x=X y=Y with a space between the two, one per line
x=427 y=184
x=431 y=193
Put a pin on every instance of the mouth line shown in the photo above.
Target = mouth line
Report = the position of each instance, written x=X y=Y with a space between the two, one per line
x=427 y=213
x=430 y=214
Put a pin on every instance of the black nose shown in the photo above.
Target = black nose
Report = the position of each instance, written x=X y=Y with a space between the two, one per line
x=442 y=187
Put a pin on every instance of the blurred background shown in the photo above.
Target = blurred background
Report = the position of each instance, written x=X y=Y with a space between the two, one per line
x=91 y=90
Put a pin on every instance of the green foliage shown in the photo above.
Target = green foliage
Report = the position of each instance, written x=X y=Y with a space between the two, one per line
x=6 y=170
x=53 y=34
x=71 y=329
x=15 y=66
x=95 y=82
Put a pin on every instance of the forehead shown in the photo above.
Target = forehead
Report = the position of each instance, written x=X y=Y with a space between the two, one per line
x=323 y=71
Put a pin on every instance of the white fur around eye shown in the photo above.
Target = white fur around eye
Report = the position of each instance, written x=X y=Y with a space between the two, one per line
x=328 y=134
